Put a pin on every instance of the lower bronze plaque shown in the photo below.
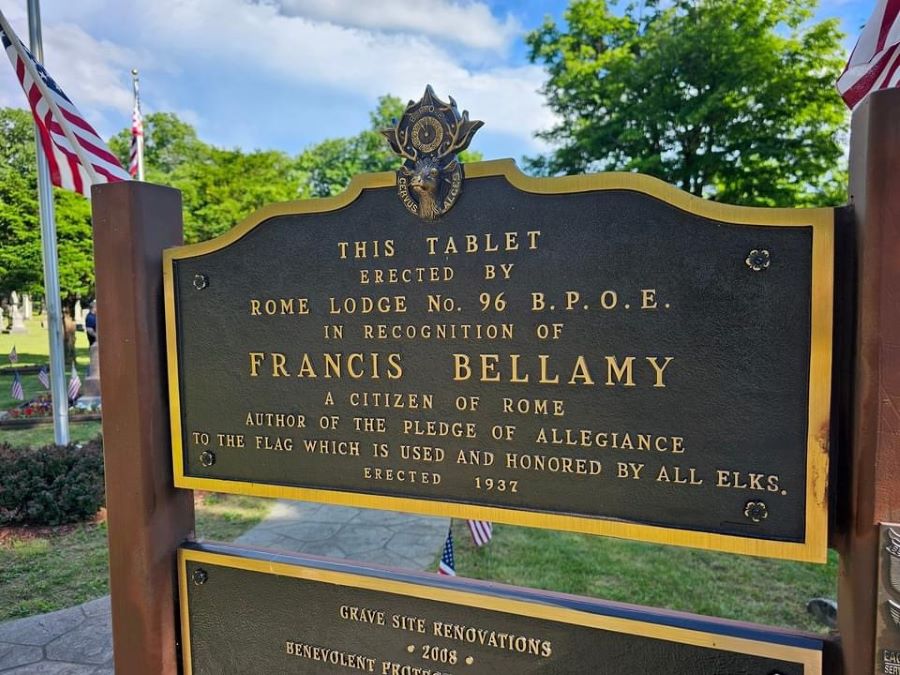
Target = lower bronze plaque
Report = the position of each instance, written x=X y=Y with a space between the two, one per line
x=887 y=618
x=247 y=612
x=598 y=353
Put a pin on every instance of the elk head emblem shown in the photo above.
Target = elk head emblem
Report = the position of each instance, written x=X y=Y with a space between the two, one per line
x=428 y=137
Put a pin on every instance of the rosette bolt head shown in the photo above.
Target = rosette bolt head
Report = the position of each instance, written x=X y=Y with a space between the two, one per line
x=756 y=511
x=758 y=259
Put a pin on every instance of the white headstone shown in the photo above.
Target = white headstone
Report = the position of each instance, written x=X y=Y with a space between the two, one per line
x=18 y=321
x=90 y=392
x=27 y=309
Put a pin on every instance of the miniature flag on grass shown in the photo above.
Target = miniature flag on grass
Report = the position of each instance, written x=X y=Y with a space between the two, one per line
x=74 y=385
x=13 y=356
x=44 y=377
x=481 y=530
x=448 y=564
x=875 y=61
x=76 y=156
x=16 y=391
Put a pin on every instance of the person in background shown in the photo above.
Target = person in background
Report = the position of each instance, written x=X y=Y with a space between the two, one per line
x=90 y=323
x=69 y=353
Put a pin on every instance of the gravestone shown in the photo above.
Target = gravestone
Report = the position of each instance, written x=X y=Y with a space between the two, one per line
x=90 y=390
x=27 y=308
x=17 y=324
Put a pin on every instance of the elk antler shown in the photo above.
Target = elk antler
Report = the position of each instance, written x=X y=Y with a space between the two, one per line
x=460 y=135
x=400 y=144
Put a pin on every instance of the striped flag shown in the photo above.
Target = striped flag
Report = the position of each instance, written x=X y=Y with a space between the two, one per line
x=875 y=61
x=481 y=530
x=44 y=377
x=447 y=565
x=74 y=384
x=16 y=391
x=13 y=355
x=76 y=156
x=137 y=137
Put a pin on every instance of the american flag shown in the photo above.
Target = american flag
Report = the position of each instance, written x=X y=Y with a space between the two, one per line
x=875 y=61
x=44 y=377
x=74 y=384
x=481 y=530
x=13 y=355
x=16 y=391
x=76 y=156
x=448 y=564
x=137 y=135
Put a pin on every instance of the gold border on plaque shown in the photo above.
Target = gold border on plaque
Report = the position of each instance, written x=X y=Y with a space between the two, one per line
x=811 y=659
x=820 y=220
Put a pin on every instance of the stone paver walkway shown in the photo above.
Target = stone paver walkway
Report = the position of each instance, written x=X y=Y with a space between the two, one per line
x=78 y=640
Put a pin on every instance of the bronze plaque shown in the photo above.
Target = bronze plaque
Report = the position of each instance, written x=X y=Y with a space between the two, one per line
x=602 y=353
x=247 y=612
x=887 y=619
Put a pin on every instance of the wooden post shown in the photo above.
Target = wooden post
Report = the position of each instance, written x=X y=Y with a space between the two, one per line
x=869 y=472
x=147 y=517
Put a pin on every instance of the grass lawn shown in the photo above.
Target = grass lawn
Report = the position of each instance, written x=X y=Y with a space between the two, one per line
x=738 y=587
x=79 y=432
x=43 y=571
x=33 y=348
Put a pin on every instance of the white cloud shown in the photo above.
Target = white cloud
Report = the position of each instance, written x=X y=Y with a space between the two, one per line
x=465 y=22
x=306 y=52
x=93 y=73
x=224 y=42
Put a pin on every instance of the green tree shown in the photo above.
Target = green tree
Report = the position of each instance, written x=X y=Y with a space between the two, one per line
x=218 y=187
x=169 y=143
x=729 y=100
x=228 y=185
x=21 y=266
x=327 y=167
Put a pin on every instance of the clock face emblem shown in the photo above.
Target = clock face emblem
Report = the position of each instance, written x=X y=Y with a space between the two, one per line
x=427 y=134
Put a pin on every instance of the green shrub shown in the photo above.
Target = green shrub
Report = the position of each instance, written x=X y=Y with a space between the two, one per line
x=52 y=485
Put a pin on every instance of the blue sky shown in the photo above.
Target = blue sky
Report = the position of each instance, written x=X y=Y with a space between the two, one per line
x=287 y=73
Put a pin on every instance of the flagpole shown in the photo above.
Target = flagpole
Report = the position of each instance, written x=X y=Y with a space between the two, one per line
x=52 y=300
x=140 y=139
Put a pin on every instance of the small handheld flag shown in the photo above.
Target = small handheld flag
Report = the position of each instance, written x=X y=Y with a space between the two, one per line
x=481 y=530
x=74 y=385
x=13 y=356
x=16 y=391
x=44 y=377
x=447 y=565
x=76 y=156
x=875 y=61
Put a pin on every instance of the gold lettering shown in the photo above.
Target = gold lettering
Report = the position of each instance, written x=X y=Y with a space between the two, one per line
x=255 y=359
x=613 y=369
x=659 y=369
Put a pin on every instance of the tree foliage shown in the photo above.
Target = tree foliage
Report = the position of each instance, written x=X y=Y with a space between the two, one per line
x=219 y=187
x=21 y=266
x=327 y=167
x=729 y=100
